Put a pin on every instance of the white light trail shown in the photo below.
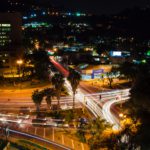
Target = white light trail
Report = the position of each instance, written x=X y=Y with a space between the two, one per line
x=93 y=104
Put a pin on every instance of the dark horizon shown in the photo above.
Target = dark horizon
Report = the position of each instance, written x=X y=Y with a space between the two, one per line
x=99 y=7
x=96 y=7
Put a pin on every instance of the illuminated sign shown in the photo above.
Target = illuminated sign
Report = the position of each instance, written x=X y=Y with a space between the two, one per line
x=5 y=25
x=148 y=53
x=95 y=72
x=84 y=66
x=78 y=14
x=98 y=71
x=97 y=59
x=116 y=53
x=37 y=25
x=50 y=52
x=5 y=29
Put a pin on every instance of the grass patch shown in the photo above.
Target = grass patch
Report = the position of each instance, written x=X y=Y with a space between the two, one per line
x=18 y=146
x=24 y=85
x=31 y=145
x=3 y=144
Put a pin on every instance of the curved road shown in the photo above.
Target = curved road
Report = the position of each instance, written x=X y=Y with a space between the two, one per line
x=98 y=106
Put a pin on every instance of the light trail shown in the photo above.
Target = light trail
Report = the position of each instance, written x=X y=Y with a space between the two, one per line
x=65 y=101
x=9 y=120
x=94 y=105
x=107 y=112
x=14 y=115
x=115 y=96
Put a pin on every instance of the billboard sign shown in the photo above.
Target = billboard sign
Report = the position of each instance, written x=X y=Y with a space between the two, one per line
x=98 y=71
x=95 y=72
x=116 y=53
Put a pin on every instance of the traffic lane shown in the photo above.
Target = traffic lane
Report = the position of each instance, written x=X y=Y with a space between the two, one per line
x=59 y=67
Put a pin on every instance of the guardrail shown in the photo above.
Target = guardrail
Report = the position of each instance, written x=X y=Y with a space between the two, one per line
x=8 y=131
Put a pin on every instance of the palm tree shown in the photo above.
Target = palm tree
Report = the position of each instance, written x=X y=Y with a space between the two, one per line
x=37 y=98
x=40 y=60
x=49 y=93
x=74 y=79
x=58 y=82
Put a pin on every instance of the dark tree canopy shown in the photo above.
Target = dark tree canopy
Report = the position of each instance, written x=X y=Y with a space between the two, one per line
x=139 y=105
x=41 y=62
x=129 y=70
x=140 y=92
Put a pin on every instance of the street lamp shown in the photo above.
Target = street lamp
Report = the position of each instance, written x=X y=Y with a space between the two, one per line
x=121 y=115
x=122 y=118
x=19 y=62
x=5 y=128
x=84 y=104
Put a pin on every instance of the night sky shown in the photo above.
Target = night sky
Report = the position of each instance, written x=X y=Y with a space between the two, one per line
x=100 y=6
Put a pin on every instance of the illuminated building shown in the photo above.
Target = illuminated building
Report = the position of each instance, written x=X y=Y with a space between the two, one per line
x=10 y=38
x=5 y=32
x=37 y=25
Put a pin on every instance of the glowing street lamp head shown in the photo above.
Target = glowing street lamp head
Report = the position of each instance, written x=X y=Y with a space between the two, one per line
x=19 y=121
x=121 y=115
x=20 y=62
x=55 y=49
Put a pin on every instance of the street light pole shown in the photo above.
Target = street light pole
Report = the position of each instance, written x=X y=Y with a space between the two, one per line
x=122 y=117
x=85 y=103
x=5 y=129
x=19 y=62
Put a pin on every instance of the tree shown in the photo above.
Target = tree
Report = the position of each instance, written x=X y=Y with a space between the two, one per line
x=129 y=70
x=102 y=78
x=49 y=93
x=81 y=134
x=58 y=82
x=74 y=79
x=110 y=78
x=41 y=63
x=102 y=136
x=37 y=98
x=103 y=49
x=111 y=75
x=97 y=128
x=140 y=93
x=27 y=43
x=139 y=105
x=69 y=116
